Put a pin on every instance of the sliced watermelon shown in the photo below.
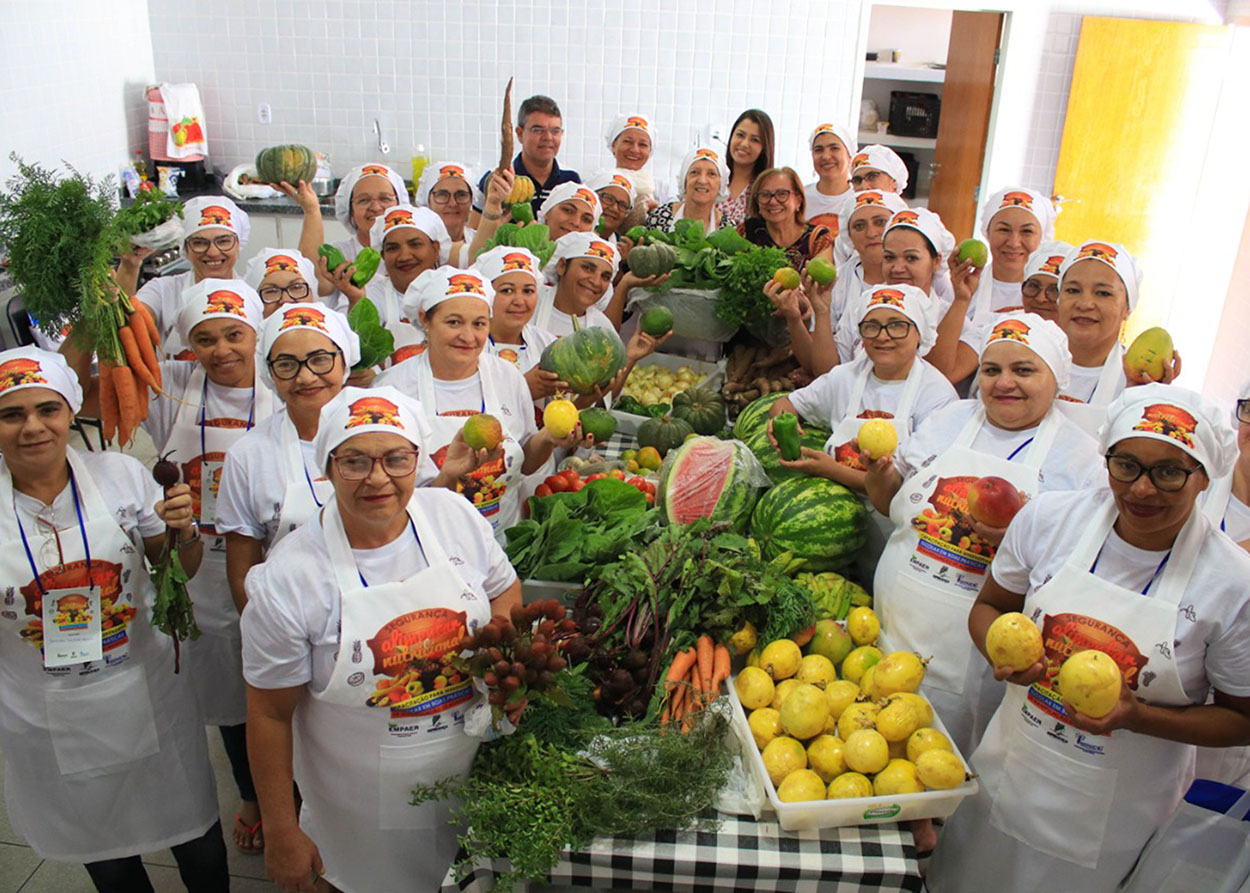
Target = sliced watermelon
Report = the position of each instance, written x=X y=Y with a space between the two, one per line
x=707 y=477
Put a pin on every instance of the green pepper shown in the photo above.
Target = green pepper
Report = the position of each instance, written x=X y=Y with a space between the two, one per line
x=786 y=430
x=366 y=265
x=334 y=257
x=522 y=212
x=636 y=234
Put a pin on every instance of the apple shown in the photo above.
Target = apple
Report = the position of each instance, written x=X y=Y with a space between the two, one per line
x=994 y=501
x=832 y=641
x=974 y=250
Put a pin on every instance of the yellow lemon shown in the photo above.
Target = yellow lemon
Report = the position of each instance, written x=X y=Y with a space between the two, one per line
x=825 y=757
x=782 y=756
x=754 y=688
x=863 y=625
x=781 y=659
x=866 y=751
x=850 y=785
x=817 y=670
x=802 y=784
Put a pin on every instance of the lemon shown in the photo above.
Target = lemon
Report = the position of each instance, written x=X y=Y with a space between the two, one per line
x=898 y=777
x=765 y=725
x=817 y=670
x=897 y=720
x=863 y=625
x=804 y=712
x=877 y=438
x=825 y=757
x=860 y=715
x=754 y=688
x=866 y=751
x=940 y=770
x=922 y=707
x=849 y=785
x=782 y=756
x=840 y=695
x=781 y=659
x=802 y=784
x=858 y=662
x=924 y=740
x=898 y=671
x=1091 y=681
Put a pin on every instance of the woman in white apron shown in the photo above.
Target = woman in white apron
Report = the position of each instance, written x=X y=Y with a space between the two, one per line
x=937 y=557
x=1039 y=292
x=280 y=276
x=215 y=231
x=889 y=381
x=830 y=194
x=704 y=182
x=582 y=270
x=103 y=742
x=1067 y=801
x=513 y=274
x=615 y=189
x=447 y=189
x=206 y=407
x=457 y=379
x=382 y=559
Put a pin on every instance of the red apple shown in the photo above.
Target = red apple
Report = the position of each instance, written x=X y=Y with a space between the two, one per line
x=994 y=501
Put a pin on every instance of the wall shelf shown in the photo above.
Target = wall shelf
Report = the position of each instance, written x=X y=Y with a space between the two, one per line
x=890 y=71
x=868 y=137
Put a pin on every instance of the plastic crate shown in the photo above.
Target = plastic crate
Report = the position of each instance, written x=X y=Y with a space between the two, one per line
x=914 y=114
x=713 y=377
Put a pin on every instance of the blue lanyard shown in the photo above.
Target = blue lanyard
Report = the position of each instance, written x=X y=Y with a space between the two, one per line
x=1153 y=577
x=412 y=526
x=251 y=414
x=311 y=488
x=82 y=528
x=1017 y=450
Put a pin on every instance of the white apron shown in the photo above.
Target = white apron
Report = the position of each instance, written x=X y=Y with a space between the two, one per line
x=933 y=567
x=106 y=758
x=493 y=489
x=525 y=356
x=388 y=720
x=214 y=661
x=409 y=340
x=1067 y=810
x=1091 y=416
x=304 y=494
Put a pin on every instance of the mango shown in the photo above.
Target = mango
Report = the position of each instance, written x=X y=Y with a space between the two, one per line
x=1150 y=353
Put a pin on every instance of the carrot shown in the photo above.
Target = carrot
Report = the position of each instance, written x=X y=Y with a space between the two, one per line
x=720 y=668
x=706 y=650
x=142 y=392
x=146 y=339
x=678 y=669
x=130 y=344
x=127 y=403
x=698 y=691
x=143 y=311
x=108 y=403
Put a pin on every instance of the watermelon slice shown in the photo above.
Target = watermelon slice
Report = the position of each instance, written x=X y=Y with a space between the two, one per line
x=709 y=478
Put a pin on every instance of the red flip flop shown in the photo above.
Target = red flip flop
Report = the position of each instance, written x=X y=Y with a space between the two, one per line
x=251 y=833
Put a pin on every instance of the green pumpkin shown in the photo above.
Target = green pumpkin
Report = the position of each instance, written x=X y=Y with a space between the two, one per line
x=703 y=408
x=599 y=422
x=586 y=359
x=665 y=433
x=290 y=163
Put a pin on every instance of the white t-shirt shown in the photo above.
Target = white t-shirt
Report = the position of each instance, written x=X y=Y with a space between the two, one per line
x=1213 y=620
x=1073 y=462
x=827 y=400
x=559 y=323
x=163 y=296
x=291 y=624
x=823 y=210
x=1083 y=381
x=222 y=403
x=524 y=356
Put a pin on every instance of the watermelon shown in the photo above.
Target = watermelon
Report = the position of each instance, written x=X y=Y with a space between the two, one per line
x=586 y=359
x=707 y=477
x=815 y=519
x=763 y=449
x=754 y=416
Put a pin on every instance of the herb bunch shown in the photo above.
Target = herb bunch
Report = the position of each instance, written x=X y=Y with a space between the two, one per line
x=742 y=295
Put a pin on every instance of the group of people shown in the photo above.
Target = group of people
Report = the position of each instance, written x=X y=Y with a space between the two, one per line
x=341 y=536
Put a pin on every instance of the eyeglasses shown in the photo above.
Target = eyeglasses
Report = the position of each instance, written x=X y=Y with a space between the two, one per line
x=442 y=196
x=1165 y=477
x=362 y=201
x=198 y=244
x=535 y=130
x=358 y=466
x=319 y=363
x=781 y=196
x=610 y=202
x=1243 y=411
x=1032 y=288
x=861 y=180
x=272 y=294
x=897 y=329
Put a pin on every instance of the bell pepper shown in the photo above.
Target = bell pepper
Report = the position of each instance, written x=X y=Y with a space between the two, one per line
x=366 y=265
x=334 y=257
x=636 y=234
x=522 y=212
x=786 y=430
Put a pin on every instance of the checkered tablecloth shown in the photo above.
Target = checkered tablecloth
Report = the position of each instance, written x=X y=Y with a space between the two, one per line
x=742 y=854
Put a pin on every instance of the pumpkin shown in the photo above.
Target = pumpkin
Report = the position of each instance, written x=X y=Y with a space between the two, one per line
x=290 y=163
x=703 y=408
x=652 y=260
x=586 y=359
x=665 y=433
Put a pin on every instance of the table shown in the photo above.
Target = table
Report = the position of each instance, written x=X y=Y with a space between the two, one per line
x=741 y=855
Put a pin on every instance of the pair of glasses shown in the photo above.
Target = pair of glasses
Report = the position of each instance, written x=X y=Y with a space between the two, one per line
x=1243 y=411
x=611 y=202
x=1032 y=288
x=287 y=367
x=897 y=329
x=272 y=294
x=539 y=131
x=781 y=196
x=362 y=201
x=443 y=196
x=1166 y=478
x=358 y=466
x=199 y=245
x=868 y=180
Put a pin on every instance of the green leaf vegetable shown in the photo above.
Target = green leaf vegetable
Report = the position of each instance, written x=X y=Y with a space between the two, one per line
x=148 y=211
x=376 y=341
x=742 y=292
x=534 y=237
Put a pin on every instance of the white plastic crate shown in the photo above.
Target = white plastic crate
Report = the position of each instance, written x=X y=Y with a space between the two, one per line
x=713 y=376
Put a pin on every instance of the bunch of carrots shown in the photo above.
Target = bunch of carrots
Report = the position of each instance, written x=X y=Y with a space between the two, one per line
x=129 y=367
x=694 y=681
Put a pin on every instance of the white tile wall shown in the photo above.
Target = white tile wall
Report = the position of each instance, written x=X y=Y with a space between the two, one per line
x=72 y=75
x=434 y=72
x=1050 y=100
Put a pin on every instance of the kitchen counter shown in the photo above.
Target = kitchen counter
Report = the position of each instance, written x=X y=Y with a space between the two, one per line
x=279 y=205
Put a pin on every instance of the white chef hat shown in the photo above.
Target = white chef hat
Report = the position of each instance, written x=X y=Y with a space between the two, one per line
x=314 y=317
x=582 y=245
x=705 y=152
x=433 y=287
x=503 y=259
x=275 y=260
x=1177 y=416
x=929 y=225
x=868 y=198
x=881 y=158
x=443 y=170
x=621 y=179
x=34 y=367
x=622 y=123
x=1039 y=335
x=355 y=411
x=218 y=299
x=1047 y=259
x=907 y=300
x=844 y=134
x=214 y=211
x=570 y=191
x=1114 y=255
x=1026 y=200
x=343 y=195
x=408 y=217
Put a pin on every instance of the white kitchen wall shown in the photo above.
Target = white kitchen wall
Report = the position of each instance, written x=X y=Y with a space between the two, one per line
x=71 y=82
x=920 y=35
x=434 y=72
x=1050 y=100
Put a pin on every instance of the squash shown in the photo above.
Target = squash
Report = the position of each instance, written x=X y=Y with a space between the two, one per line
x=588 y=358
x=703 y=408
x=290 y=163
x=665 y=433
x=652 y=260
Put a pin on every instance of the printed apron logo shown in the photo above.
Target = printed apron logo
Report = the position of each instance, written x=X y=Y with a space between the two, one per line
x=116 y=611
x=945 y=528
x=413 y=663
x=1065 y=634
x=480 y=486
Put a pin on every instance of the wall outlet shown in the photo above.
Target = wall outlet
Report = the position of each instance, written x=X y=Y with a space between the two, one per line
x=264 y=114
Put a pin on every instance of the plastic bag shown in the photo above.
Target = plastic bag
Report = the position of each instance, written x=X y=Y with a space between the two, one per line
x=694 y=311
x=167 y=235
x=722 y=482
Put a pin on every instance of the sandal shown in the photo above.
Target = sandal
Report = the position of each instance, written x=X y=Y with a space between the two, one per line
x=251 y=832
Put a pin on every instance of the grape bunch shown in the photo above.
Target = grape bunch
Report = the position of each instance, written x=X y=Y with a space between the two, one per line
x=520 y=654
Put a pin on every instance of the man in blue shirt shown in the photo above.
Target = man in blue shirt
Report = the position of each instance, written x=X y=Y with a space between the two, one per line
x=540 y=131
